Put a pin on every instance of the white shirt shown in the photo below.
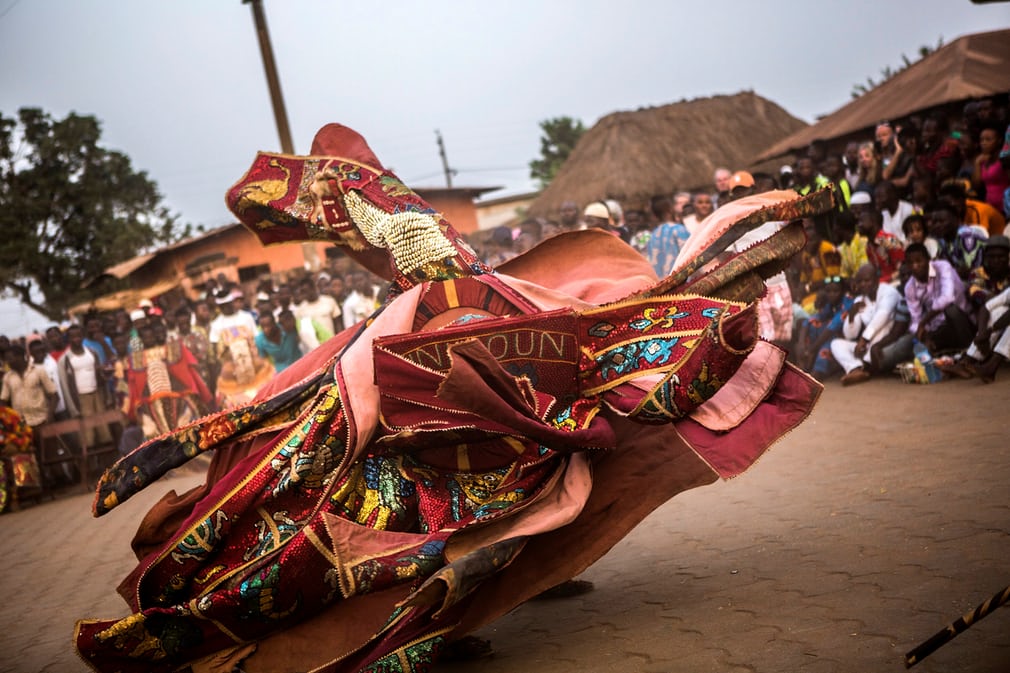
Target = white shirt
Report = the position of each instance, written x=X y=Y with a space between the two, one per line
x=53 y=369
x=357 y=307
x=240 y=320
x=874 y=322
x=84 y=370
x=892 y=223
x=324 y=310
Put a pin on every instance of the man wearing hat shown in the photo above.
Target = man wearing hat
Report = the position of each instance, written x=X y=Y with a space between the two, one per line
x=741 y=184
x=233 y=340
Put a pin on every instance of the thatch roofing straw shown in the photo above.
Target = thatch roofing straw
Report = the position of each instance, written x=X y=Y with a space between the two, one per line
x=634 y=155
x=970 y=67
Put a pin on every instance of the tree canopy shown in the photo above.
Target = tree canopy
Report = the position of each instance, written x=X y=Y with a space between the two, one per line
x=560 y=134
x=71 y=209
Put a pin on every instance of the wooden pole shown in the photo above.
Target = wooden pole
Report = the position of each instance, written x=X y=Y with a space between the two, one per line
x=277 y=100
x=963 y=623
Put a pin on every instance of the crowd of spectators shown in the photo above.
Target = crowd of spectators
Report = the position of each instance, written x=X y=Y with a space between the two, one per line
x=912 y=267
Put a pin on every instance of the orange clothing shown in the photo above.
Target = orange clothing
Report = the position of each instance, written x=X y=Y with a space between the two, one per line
x=984 y=215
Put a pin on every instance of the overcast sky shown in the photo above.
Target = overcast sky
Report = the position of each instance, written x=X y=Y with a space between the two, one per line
x=179 y=86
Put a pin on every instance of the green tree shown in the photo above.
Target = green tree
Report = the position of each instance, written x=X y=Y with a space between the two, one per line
x=559 y=137
x=70 y=209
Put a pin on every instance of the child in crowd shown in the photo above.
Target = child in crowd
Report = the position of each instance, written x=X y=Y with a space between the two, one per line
x=813 y=352
x=914 y=228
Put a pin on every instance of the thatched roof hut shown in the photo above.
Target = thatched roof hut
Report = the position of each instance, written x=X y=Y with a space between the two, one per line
x=632 y=156
x=974 y=66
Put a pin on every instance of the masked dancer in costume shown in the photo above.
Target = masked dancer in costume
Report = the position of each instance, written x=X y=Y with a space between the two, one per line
x=414 y=477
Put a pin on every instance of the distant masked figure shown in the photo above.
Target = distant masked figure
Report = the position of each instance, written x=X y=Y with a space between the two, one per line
x=165 y=390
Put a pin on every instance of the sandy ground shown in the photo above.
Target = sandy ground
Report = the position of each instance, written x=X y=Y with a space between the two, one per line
x=875 y=524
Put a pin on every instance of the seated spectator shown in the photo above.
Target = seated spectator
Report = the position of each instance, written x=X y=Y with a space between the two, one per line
x=893 y=210
x=935 y=144
x=972 y=211
x=869 y=169
x=914 y=229
x=901 y=170
x=850 y=243
x=813 y=352
x=991 y=346
x=960 y=244
x=818 y=261
x=989 y=170
x=994 y=275
x=875 y=333
x=666 y=239
x=937 y=302
x=883 y=250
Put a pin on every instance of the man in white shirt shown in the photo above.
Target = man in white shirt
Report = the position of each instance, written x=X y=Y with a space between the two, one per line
x=874 y=323
x=892 y=209
x=360 y=303
x=83 y=383
x=321 y=310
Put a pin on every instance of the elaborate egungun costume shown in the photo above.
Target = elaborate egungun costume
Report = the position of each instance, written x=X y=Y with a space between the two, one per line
x=481 y=438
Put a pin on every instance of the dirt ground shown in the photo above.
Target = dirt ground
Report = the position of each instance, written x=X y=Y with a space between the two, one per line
x=880 y=520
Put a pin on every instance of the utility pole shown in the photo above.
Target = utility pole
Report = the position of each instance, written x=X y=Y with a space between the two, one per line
x=277 y=100
x=445 y=161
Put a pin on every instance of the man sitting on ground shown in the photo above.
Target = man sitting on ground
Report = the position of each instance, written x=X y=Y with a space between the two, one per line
x=875 y=337
x=936 y=302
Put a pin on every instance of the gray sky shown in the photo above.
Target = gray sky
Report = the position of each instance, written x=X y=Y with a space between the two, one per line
x=179 y=86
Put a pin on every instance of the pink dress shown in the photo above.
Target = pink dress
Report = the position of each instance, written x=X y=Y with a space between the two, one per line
x=994 y=176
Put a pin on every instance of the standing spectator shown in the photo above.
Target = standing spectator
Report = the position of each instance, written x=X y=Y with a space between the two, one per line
x=360 y=303
x=666 y=239
x=874 y=339
x=893 y=210
x=702 y=207
x=29 y=391
x=680 y=201
x=850 y=243
x=56 y=341
x=19 y=469
x=320 y=309
x=196 y=342
x=568 y=216
x=936 y=302
x=276 y=344
x=233 y=341
x=83 y=383
x=721 y=179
